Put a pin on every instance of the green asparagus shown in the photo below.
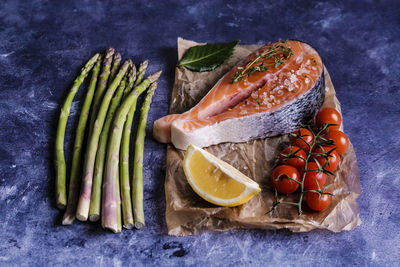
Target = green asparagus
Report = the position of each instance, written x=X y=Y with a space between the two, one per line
x=74 y=183
x=115 y=66
x=109 y=216
x=141 y=71
x=101 y=86
x=94 y=209
x=137 y=183
x=124 y=158
x=86 y=188
x=118 y=202
x=131 y=81
x=125 y=190
x=61 y=190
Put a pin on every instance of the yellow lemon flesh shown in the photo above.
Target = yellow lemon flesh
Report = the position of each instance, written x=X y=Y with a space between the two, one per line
x=215 y=180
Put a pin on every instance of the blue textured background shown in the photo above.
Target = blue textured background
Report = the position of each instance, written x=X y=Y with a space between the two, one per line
x=44 y=44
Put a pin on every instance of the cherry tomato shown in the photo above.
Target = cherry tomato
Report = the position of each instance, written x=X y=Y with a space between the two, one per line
x=317 y=204
x=339 y=139
x=333 y=158
x=328 y=115
x=292 y=160
x=306 y=135
x=284 y=185
x=313 y=178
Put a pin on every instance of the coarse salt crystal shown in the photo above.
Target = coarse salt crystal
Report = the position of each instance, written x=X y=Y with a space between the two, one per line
x=271 y=98
x=293 y=78
x=286 y=82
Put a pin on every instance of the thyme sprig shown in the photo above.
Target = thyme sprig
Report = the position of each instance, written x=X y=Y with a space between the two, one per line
x=281 y=53
x=318 y=140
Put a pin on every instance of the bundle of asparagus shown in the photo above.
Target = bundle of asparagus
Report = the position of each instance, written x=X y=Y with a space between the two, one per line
x=104 y=185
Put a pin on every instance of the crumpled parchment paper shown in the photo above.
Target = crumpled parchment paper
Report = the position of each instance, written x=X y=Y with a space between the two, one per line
x=188 y=214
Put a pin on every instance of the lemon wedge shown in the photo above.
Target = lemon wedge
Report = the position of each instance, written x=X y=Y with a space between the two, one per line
x=215 y=180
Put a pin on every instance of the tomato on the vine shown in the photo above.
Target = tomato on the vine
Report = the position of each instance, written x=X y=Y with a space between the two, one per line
x=314 y=177
x=328 y=115
x=281 y=182
x=333 y=157
x=294 y=156
x=306 y=135
x=339 y=139
x=317 y=203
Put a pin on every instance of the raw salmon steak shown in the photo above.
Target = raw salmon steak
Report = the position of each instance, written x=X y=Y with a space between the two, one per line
x=273 y=91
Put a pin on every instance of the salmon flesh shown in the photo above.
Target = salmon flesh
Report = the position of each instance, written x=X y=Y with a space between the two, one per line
x=272 y=92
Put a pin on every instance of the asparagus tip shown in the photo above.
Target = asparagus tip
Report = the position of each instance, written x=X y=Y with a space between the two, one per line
x=144 y=64
x=126 y=64
x=154 y=77
x=153 y=86
x=133 y=70
x=109 y=53
x=100 y=58
x=117 y=57
x=91 y=62
x=130 y=62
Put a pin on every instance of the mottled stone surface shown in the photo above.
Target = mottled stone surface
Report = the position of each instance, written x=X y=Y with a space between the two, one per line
x=43 y=45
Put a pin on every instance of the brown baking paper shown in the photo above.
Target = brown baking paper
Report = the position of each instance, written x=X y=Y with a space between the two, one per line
x=188 y=214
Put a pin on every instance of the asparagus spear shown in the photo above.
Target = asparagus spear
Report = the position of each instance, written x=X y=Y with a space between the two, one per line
x=86 y=188
x=131 y=78
x=94 y=209
x=109 y=216
x=124 y=158
x=118 y=202
x=61 y=190
x=101 y=86
x=115 y=66
x=73 y=190
x=137 y=183
x=126 y=85
x=141 y=71
x=126 y=197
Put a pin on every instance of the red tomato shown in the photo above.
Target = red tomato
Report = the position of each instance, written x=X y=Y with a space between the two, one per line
x=333 y=158
x=316 y=203
x=313 y=178
x=284 y=185
x=339 y=139
x=328 y=115
x=289 y=157
x=306 y=135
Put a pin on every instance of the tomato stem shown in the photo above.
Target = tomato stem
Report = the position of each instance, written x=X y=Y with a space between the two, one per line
x=315 y=142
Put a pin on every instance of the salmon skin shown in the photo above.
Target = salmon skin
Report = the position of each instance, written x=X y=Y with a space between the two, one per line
x=273 y=91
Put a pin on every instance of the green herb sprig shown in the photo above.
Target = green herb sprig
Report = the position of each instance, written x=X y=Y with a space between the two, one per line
x=249 y=68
